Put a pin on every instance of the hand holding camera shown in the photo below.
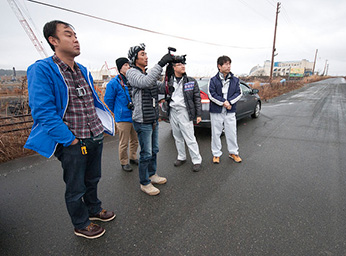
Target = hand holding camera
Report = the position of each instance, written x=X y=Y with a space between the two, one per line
x=177 y=58
x=166 y=59
x=170 y=58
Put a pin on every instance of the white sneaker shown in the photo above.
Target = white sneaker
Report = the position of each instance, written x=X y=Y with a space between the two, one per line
x=156 y=179
x=150 y=189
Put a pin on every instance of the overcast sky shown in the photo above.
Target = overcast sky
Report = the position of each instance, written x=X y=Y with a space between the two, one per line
x=245 y=27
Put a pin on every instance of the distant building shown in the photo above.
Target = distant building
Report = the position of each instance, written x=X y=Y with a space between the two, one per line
x=261 y=70
x=284 y=68
x=104 y=74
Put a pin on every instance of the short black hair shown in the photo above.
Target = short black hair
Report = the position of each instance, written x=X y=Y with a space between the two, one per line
x=49 y=29
x=223 y=59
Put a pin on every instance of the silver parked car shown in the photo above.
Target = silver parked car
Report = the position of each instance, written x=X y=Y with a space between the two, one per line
x=248 y=105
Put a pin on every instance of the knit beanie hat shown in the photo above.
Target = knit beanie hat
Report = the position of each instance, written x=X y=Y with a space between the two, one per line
x=133 y=52
x=120 y=63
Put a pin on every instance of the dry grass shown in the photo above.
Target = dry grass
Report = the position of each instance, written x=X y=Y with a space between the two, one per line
x=275 y=88
x=11 y=144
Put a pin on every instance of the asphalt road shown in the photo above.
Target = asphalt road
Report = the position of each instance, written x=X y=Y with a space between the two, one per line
x=288 y=197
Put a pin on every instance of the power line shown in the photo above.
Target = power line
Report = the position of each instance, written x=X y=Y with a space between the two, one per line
x=271 y=3
x=143 y=29
x=304 y=46
x=254 y=10
x=286 y=16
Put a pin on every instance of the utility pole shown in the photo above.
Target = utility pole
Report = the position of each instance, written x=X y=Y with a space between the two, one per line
x=14 y=76
x=313 y=69
x=273 y=52
x=325 y=67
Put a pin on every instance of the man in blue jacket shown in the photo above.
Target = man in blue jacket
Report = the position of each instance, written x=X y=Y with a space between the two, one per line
x=69 y=121
x=224 y=93
x=118 y=100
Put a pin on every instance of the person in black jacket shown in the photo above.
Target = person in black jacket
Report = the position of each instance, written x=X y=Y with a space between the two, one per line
x=184 y=107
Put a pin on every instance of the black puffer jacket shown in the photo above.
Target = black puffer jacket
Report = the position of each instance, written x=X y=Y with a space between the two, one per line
x=144 y=89
x=192 y=96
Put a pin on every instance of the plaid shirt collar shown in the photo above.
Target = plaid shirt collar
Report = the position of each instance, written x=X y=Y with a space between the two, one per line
x=63 y=66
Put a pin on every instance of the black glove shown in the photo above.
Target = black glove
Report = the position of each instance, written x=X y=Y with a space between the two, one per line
x=165 y=59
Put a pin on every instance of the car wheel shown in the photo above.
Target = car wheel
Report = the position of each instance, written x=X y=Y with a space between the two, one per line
x=257 y=110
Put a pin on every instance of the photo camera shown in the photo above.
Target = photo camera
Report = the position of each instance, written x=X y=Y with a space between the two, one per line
x=130 y=106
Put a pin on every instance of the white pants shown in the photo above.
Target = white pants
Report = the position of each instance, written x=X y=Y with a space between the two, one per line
x=182 y=129
x=218 y=122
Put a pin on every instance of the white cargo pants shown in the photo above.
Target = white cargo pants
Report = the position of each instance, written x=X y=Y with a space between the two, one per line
x=182 y=129
x=229 y=122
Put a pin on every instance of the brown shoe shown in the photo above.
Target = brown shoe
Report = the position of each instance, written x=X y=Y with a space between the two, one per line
x=103 y=216
x=236 y=158
x=216 y=159
x=92 y=231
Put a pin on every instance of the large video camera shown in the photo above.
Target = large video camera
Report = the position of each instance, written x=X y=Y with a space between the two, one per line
x=177 y=58
x=170 y=72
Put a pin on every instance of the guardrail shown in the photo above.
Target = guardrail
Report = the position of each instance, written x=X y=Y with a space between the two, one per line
x=15 y=123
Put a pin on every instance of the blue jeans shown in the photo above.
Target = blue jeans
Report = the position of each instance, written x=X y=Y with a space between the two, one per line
x=148 y=137
x=81 y=175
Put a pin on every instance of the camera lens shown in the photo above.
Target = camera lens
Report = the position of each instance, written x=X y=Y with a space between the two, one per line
x=179 y=59
x=130 y=106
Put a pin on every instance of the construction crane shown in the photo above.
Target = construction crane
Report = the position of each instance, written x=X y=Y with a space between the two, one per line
x=38 y=45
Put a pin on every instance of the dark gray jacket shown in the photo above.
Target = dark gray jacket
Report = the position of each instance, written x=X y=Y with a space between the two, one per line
x=144 y=90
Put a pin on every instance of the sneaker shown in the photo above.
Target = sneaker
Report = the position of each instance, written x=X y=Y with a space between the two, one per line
x=103 y=215
x=216 y=159
x=150 y=189
x=92 y=231
x=236 y=158
x=126 y=168
x=156 y=179
x=134 y=161
x=196 y=167
x=178 y=162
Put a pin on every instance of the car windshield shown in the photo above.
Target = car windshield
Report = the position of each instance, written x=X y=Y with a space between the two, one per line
x=203 y=85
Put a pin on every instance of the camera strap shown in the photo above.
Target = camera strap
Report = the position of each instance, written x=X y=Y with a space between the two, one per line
x=123 y=86
x=168 y=75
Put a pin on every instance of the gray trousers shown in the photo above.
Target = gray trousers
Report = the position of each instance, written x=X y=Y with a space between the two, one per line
x=183 y=132
x=227 y=121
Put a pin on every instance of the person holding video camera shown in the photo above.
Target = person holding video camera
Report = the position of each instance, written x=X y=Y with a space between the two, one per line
x=118 y=100
x=145 y=88
x=184 y=104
